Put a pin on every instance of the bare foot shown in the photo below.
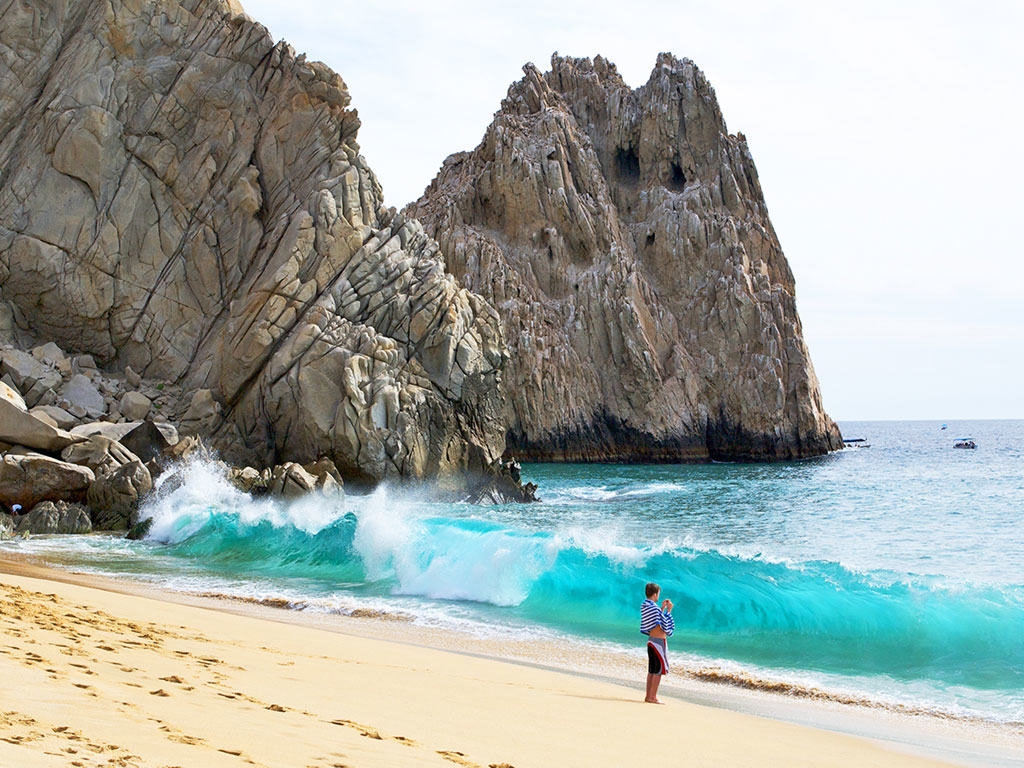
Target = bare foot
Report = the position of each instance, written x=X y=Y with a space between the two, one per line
x=653 y=701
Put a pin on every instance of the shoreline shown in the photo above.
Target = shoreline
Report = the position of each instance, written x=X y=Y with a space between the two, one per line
x=905 y=739
x=704 y=679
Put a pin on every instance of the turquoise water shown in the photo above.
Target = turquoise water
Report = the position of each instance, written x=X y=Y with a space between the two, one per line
x=894 y=572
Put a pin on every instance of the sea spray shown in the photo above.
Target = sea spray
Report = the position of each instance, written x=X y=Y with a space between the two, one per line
x=382 y=538
x=187 y=496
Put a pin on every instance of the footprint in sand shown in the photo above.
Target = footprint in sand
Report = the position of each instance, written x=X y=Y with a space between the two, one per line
x=173 y=734
x=186 y=739
x=370 y=732
x=364 y=730
x=459 y=758
x=331 y=760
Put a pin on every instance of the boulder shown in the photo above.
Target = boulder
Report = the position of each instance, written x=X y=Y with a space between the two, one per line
x=18 y=427
x=83 y=363
x=44 y=417
x=26 y=371
x=40 y=393
x=328 y=478
x=55 y=517
x=203 y=413
x=28 y=478
x=109 y=388
x=53 y=355
x=328 y=486
x=149 y=439
x=98 y=453
x=139 y=529
x=115 y=495
x=6 y=526
x=135 y=406
x=133 y=379
x=186 y=448
x=105 y=428
x=80 y=396
x=247 y=479
x=60 y=417
x=501 y=483
x=169 y=431
x=11 y=395
x=30 y=376
x=290 y=481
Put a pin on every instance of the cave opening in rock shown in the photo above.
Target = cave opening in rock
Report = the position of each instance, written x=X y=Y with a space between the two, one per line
x=627 y=164
x=678 y=180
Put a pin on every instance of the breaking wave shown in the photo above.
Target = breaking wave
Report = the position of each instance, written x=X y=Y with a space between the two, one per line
x=814 y=615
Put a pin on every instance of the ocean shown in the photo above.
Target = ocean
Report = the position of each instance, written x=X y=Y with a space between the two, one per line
x=888 y=575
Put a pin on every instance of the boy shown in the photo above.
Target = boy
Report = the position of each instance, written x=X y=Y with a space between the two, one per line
x=658 y=624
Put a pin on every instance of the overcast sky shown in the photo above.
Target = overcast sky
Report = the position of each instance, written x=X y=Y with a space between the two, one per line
x=887 y=136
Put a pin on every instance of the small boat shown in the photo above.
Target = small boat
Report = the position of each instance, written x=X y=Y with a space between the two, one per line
x=856 y=442
x=943 y=426
x=965 y=442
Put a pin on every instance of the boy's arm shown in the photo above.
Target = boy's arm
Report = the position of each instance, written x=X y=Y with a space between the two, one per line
x=668 y=623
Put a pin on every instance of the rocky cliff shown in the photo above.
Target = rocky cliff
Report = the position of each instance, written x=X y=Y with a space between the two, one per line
x=623 y=238
x=182 y=197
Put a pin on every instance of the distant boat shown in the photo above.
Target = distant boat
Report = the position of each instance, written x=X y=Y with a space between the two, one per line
x=856 y=442
x=943 y=426
x=965 y=442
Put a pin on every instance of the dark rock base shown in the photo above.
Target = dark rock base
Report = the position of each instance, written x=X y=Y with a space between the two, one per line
x=607 y=440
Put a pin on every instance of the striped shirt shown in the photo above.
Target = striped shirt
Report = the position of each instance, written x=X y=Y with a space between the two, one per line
x=652 y=616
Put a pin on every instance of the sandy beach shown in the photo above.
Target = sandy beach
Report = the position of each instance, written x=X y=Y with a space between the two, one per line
x=97 y=678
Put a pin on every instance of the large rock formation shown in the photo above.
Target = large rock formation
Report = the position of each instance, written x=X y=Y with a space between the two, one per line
x=623 y=237
x=184 y=198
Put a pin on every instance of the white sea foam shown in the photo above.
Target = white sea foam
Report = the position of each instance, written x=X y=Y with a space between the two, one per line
x=607 y=540
x=383 y=536
x=612 y=493
x=445 y=559
x=189 y=494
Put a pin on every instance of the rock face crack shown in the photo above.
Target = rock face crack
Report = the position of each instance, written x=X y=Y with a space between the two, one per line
x=647 y=305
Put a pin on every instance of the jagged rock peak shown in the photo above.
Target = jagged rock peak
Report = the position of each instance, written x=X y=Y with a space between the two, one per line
x=623 y=237
x=183 y=196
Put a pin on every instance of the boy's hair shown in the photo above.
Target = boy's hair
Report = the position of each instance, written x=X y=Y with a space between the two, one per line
x=651 y=589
